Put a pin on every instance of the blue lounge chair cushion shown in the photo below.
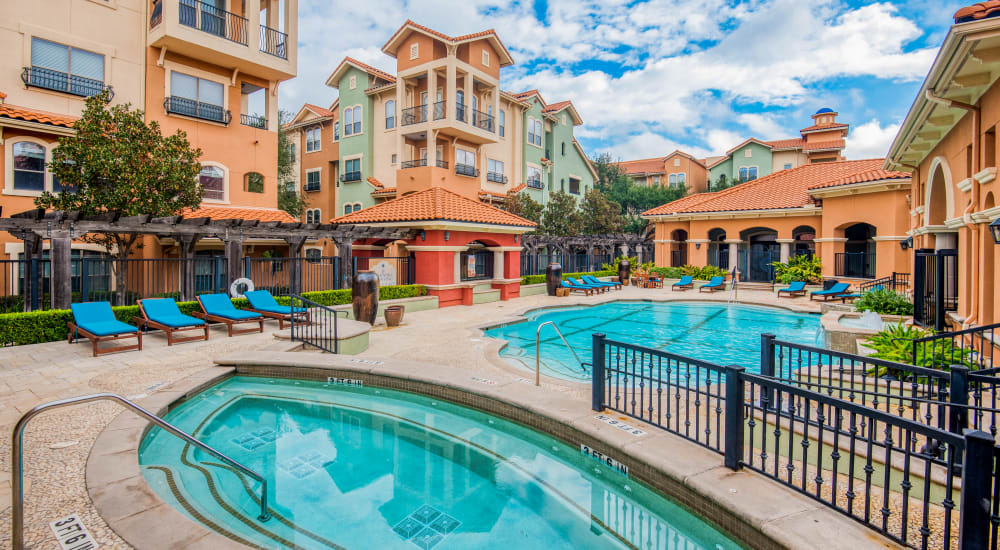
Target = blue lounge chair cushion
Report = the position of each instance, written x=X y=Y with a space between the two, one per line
x=590 y=279
x=685 y=280
x=569 y=284
x=838 y=288
x=715 y=281
x=98 y=319
x=581 y=284
x=263 y=301
x=166 y=312
x=795 y=286
x=221 y=306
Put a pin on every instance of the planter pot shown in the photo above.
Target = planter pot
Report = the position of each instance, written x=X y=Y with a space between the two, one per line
x=553 y=278
x=624 y=269
x=394 y=315
x=364 y=294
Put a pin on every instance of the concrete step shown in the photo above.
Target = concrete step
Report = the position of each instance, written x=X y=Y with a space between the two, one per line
x=483 y=286
x=485 y=296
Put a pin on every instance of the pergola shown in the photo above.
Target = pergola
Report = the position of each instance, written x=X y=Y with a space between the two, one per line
x=607 y=244
x=60 y=228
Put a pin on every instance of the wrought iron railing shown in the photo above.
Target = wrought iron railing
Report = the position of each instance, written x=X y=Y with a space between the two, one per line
x=440 y=110
x=496 y=177
x=48 y=79
x=196 y=109
x=274 y=42
x=415 y=163
x=311 y=186
x=212 y=20
x=414 y=115
x=534 y=183
x=254 y=121
x=320 y=331
x=482 y=120
x=974 y=347
x=898 y=282
x=442 y=164
x=460 y=110
x=350 y=176
x=466 y=170
x=855 y=264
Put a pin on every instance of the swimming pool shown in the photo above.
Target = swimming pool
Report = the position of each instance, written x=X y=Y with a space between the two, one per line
x=726 y=334
x=362 y=468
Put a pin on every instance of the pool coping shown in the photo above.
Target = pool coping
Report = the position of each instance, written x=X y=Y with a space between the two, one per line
x=757 y=512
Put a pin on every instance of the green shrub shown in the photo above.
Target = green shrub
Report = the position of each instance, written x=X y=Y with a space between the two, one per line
x=895 y=343
x=537 y=279
x=703 y=273
x=799 y=268
x=668 y=272
x=884 y=302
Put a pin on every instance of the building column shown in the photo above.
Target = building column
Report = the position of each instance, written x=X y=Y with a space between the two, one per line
x=186 y=244
x=345 y=255
x=698 y=252
x=431 y=100
x=451 y=88
x=400 y=105
x=60 y=290
x=734 y=253
x=786 y=245
x=32 y=253
x=468 y=97
x=295 y=264
x=826 y=248
x=234 y=258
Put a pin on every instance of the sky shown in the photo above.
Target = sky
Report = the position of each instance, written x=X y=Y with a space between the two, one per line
x=649 y=77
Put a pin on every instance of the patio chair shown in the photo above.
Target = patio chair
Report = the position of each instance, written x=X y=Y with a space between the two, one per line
x=587 y=290
x=261 y=301
x=96 y=322
x=596 y=286
x=218 y=308
x=655 y=281
x=796 y=288
x=716 y=283
x=590 y=279
x=686 y=282
x=163 y=314
x=832 y=294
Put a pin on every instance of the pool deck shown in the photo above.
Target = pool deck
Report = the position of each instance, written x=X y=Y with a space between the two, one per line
x=443 y=347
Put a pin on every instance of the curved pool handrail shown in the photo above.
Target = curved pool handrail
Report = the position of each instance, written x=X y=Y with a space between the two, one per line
x=17 y=470
x=538 y=350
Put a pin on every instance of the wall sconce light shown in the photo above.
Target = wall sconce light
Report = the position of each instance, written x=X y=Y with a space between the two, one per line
x=906 y=243
x=697 y=246
x=423 y=235
x=447 y=235
x=516 y=238
x=995 y=230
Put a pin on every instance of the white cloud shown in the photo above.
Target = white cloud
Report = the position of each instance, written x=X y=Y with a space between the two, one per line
x=720 y=141
x=648 y=145
x=870 y=140
x=761 y=125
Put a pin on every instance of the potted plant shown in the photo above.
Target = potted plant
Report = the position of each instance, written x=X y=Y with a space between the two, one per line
x=394 y=315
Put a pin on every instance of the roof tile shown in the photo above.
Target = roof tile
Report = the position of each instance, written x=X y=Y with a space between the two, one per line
x=236 y=213
x=819 y=145
x=319 y=110
x=979 y=10
x=435 y=203
x=371 y=70
x=793 y=143
x=831 y=126
x=643 y=166
x=34 y=115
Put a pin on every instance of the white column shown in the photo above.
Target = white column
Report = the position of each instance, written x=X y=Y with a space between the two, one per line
x=457 y=277
x=451 y=83
x=496 y=109
x=468 y=97
x=431 y=135
x=734 y=253
x=785 y=249
x=498 y=264
x=400 y=105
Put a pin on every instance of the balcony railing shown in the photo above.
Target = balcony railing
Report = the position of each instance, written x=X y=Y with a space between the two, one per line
x=442 y=164
x=482 y=121
x=311 y=186
x=197 y=109
x=254 y=121
x=466 y=170
x=39 y=77
x=414 y=115
x=273 y=41
x=415 y=163
x=210 y=19
x=350 y=176
x=440 y=110
x=534 y=183
x=496 y=177
x=855 y=264
x=460 y=112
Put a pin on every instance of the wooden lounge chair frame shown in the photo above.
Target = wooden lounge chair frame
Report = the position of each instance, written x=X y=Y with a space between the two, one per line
x=171 y=339
x=229 y=322
x=571 y=288
x=715 y=288
x=284 y=317
x=75 y=332
x=828 y=297
x=617 y=285
x=792 y=293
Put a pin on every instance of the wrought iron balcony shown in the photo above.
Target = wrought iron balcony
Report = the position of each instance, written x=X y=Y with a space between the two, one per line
x=482 y=121
x=273 y=41
x=496 y=177
x=254 y=121
x=442 y=164
x=440 y=110
x=212 y=20
x=414 y=115
x=534 y=183
x=197 y=109
x=350 y=176
x=466 y=170
x=39 y=77
x=415 y=163
x=460 y=112
x=311 y=186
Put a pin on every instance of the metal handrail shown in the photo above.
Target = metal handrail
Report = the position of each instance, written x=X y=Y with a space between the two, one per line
x=307 y=338
x=538 y=348
x=17 y=469
x=734 y=295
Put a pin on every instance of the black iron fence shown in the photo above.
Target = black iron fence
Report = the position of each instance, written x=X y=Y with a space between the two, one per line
x=897 y=282
x=535 y=264
x=320 y=331
x=414 y=115
x=40 y=77
x=197 y=109
x=213 y=20
x=855 y=264
x=274 y=42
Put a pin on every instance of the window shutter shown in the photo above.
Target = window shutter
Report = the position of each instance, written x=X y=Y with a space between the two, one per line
x=87 y=64
x=49 y=55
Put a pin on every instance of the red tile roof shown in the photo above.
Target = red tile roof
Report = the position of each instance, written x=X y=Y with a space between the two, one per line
x=793 y=143
x=384 y=192
x=375 y=183
x=782 y=189
x=237 y=213
x=555 y=107
x=518 y=188
x=454 y=39
x=979 y=10
x=643 y=166
x=319 y=110
x=818 y=127
x=370 y=70
x=819 y=145
x=3 y=95
x=435 y=203
x=34 y=115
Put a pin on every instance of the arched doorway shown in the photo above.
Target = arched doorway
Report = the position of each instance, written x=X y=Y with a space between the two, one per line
x=476 y=262
x=804 y=237
x=718 y=250
x=938 y=206
x=858 y=258
x=757 y=256
x=678 y=248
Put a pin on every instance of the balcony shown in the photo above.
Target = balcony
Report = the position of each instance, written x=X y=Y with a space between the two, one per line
x=196 y=109
x=210 y=19
x=416 y=163
x=460 y=112
x=350 y=176
x=311 y=186
x=442 y=164
x=440 y=110
x=466 y=170
x=496 y=177
x=482 y=121
x=414 y=115
x=254 y=121
x=39 y=77
x=273 y=41
x=534 y=183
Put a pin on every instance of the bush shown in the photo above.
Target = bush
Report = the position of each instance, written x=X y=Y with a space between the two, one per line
x=894 y=343
x=536 y=279
x=799 y=268
x=703 y=273
x=884 y=302
x=668 y=272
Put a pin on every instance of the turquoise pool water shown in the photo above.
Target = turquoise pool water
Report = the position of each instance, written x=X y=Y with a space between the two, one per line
x=719 y=333
x=362 y=468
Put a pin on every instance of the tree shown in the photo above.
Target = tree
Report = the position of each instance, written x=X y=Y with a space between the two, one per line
x=289 y=198
x=117 y=163
x=722 y=183
x=633 y=198
x=560 y=216
x=521 y=204
x=601 y=215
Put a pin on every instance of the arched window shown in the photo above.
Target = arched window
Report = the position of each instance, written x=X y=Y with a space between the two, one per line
x=348 y=209
x=348 y=121
x=314 y=215
x=313 y=255
x=254 y=182
x=213 y=181
x=29 y=166
x=390 y=114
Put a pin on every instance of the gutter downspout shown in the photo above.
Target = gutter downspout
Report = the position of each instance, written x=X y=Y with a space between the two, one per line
x=974 y=230
x=915 y=179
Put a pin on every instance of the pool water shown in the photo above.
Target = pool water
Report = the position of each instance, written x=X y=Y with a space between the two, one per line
x=725 y=334
x=363 y=468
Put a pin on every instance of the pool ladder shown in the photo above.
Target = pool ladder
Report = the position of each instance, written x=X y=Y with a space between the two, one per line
x=538 y=350
x=734 y=295
x=17 y=468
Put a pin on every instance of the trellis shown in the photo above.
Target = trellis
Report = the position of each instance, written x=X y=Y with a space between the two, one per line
x=610 y=244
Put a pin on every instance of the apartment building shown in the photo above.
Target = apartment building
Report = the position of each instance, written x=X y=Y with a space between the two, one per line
x=210 y=69
x=442 y=120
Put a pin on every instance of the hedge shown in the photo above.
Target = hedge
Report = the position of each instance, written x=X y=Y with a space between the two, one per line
x=535 y=279
x=18 y=329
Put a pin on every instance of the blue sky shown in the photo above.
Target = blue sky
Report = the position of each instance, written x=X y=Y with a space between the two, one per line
x=652 y=76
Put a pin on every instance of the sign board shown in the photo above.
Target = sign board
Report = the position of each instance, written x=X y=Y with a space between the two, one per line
x=607 y=460
x=72 y=535
x=386 y=272
x=344 y=381
x=470 y=268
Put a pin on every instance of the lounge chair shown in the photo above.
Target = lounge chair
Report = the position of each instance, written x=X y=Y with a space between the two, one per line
x=590 y=279
x=587 y=290
x=832 y=294
x=262 y=302
x=686 y=282
x=163 y=314
x=218 y=308
x=596 y=286
x=716 y=283
x=96 y=322
x=796 y=288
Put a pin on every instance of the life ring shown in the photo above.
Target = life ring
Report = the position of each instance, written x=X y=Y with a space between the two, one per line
x=234 y=289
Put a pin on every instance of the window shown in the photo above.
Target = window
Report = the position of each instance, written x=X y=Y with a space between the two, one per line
x=672 y=180
x=313 y=255
x=313 y=180
x=414 y=50
x=65 y=69
x=313 y=139
x=503 y=121
x=656 y=180
x=314 y=215
x=352 y=121
x=390 y=114
x=538 y=133
x=291 y=149
x=494 y=171
x=197 y=97
x=254 y=182
x=465 y=163
x=748 y=152
x=352 y=170
x=535 y=132
x=681 y=179
x=486 y=58
x=29 y=166
x=336 y=130
x=574 y=186
x=394 y=158
x=213 y=181
x=788 y=166
x=353 y=82
x=677 y=162
x=348 y=209
x=534 y=177
x=563 y=148
x=748 y=173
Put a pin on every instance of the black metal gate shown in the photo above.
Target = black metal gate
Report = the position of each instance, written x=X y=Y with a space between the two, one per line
x=935 y=286
x=755 y=262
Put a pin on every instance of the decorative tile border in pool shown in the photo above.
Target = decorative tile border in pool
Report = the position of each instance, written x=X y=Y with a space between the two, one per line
x=426 y=527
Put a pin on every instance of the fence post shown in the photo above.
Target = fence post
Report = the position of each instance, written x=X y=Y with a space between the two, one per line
x=977 y=485
x=84 y=276
x=958 y=397
x=36 y=282
x=767 y=365
x=597 y=372
x=734 y=416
